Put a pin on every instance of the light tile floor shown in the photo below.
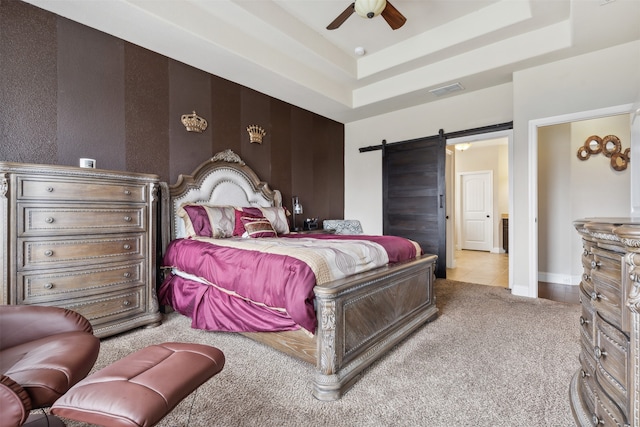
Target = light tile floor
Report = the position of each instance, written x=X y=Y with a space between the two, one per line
x=480 y=267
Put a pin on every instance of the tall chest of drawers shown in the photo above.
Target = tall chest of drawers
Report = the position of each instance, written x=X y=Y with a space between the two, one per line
x=82 y=239
x=605 y=390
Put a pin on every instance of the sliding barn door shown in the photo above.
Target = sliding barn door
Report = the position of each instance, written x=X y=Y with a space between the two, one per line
x=414 y=195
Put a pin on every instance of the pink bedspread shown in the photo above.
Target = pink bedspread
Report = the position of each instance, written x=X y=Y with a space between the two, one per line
x=251 y=291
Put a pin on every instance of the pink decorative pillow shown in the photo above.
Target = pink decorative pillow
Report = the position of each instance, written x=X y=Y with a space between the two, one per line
x=258 y=227
x=208 y=221
x=276 y=216
x=239 y=229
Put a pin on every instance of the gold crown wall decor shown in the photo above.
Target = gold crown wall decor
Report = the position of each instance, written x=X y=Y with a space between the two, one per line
x=193 y=123
x=256 y=133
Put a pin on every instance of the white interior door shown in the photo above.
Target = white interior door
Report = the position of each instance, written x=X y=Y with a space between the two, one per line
x=477 y=210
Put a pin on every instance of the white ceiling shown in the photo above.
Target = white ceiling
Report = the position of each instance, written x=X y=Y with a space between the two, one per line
x=282 y=47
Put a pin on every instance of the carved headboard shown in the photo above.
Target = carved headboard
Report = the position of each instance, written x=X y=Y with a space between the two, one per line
x=222 y=180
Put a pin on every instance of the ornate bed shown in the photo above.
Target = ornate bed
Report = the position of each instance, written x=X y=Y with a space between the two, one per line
x=359 y=318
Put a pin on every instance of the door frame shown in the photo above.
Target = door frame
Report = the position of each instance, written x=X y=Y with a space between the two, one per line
x=532 y=219
x=450 y=215
x=508 y=133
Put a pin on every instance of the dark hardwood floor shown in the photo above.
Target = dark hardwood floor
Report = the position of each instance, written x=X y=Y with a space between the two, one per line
x=493 y=269
x=558 y=292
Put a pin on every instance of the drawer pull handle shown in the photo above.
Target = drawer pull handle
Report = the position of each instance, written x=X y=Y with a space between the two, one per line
x=595 y=296
x=127 y=246
x=586 y=277
x=48 y=252
x=48 y=286
x=597 y=351
x=49 y=220
x=50 y=189
x=586 y=252
x=595 y=264
x=126 y=303
x=584 y=321
x=583 y=373
x=127 y=192
x=127 y=274
x=127 y=218
x=596 y=420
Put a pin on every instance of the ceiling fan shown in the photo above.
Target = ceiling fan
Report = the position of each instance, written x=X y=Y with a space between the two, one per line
x=370 y=9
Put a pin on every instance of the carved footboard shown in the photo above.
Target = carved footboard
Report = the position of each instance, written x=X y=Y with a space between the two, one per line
x=361 y=318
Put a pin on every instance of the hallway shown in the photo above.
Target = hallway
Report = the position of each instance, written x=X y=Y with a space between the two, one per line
x=486 y=268
x=480 y=267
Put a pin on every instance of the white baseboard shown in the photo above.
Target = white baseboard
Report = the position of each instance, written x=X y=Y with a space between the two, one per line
x=564 y=279
x=523 y=291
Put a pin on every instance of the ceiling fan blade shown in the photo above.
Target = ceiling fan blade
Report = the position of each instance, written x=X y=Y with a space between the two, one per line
x=393 y=17
x=342 y=17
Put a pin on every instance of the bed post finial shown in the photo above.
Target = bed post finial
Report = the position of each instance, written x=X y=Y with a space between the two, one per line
x=227 y=156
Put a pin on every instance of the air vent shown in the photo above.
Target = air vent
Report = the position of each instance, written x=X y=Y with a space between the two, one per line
x=444 y=90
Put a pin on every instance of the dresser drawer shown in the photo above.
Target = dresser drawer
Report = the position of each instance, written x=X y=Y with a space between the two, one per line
x=587 y=256
x=37 y=220
x=587 y=323
x=38 y=287
x=586 y=284
x=81 y=190
x=60 y=253
x=587 y=383
x=110 y=307
x=607 y=300
x=606 y=277
x=607 y=412
x=612 y=355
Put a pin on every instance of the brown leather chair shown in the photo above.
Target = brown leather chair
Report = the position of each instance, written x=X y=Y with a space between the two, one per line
x=44 y=351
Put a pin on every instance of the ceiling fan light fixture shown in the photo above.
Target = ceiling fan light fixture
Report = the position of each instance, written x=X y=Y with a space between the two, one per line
x=369 y=8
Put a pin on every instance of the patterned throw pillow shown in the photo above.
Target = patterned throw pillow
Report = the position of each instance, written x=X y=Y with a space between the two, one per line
x=276 y=216
x=258 y=227
x=208 y=221
x=240 y=213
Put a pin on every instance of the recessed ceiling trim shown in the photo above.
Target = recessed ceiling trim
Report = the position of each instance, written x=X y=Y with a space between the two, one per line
x=546 y=40
x=267 y=18
x=485 y=21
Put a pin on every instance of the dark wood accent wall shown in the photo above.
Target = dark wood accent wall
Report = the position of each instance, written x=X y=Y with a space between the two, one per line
x=68 y=91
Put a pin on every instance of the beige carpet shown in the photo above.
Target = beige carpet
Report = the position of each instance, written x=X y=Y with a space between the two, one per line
x=490 y=359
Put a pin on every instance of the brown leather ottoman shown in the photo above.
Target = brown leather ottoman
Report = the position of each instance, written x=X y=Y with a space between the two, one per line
x=140 y=389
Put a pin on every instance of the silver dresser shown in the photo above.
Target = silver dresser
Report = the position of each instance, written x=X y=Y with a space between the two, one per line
x=605 y=390
x=83 y=239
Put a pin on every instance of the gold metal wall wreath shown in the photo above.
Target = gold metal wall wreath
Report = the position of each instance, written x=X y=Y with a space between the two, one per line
x=610 y=146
